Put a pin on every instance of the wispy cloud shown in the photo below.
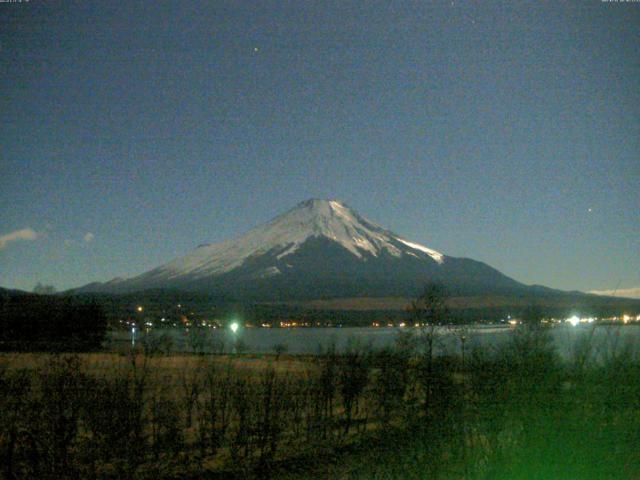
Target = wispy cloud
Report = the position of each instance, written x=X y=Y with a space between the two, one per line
x=24 y=234
x=89 y=237
x=625 y=292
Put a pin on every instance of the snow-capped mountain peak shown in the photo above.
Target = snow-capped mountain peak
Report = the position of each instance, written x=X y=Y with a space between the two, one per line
x=319 y=248
x=285 y=234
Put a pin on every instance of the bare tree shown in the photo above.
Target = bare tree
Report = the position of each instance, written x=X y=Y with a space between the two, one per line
x=428 y=312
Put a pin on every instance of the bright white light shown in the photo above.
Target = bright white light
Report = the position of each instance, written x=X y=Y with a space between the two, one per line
x=573 y=320
x=234 y=327
x=139 y=308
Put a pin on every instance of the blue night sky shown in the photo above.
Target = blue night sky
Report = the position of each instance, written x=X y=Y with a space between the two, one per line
x=508 y=132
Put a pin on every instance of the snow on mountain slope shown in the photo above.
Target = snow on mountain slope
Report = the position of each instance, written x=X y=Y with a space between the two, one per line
x=437 y=256
x=286 y=233
x=623 y=292
x=319 y=248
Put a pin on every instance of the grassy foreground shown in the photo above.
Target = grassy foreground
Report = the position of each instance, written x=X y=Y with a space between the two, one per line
x=517 y=412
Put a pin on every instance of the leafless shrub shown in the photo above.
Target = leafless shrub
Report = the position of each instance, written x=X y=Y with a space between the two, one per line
x=115 y=417
x=323 y=385
x=157 y=344
x=14 y=402
x=272 y=403
x=353 y=378
x=54 y=417
x=214 y=408
x=242 y=425
x=190 y=386
x=390 y=381
x=166 y=430
x=279 y=349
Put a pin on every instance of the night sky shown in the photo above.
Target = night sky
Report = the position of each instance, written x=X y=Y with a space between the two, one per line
x=508 y=132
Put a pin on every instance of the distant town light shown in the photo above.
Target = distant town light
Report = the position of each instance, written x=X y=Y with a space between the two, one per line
x=234 y=327
x=139 y=308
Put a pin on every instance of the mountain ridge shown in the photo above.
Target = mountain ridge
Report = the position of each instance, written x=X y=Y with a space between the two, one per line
x=320 y=248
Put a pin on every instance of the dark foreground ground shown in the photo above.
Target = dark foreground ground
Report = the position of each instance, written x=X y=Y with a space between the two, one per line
x=517 y=412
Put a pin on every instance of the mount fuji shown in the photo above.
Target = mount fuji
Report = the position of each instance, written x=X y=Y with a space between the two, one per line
x=318 y=249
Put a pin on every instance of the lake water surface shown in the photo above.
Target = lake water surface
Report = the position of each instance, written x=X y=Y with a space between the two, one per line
x=602 y=338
